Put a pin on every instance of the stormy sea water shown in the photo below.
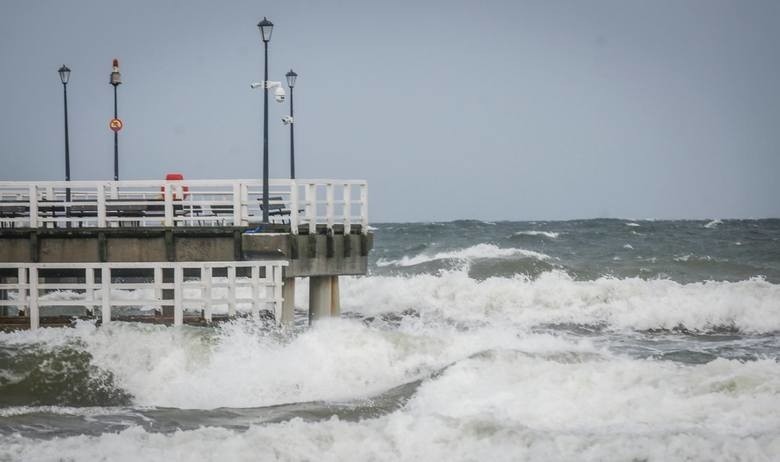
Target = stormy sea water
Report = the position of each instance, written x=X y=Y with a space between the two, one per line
x=577 y=340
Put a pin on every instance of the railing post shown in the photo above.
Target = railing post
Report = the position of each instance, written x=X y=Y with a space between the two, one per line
x=33 y=193
x=347 y=208
x=277 y=293
x=268 y=299
x=256 y=289
x=329 y=207
x=105 y=289
x=244 y=205
x=178 y=307
x=237 y=209
x=35 y=320
x=205 y=277
x=364 y=208
x=101 y=205
x=293 y=207
x=311 y=207
x=89 y=293
x=23 y=290
x=168 y=198
x=231 y=271
x=158 y=282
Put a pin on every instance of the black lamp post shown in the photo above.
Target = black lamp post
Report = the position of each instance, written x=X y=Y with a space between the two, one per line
x=266 y=27
x=64 y=77
x=116 y=80
x=291 y=76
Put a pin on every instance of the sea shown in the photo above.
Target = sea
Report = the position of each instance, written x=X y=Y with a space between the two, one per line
x=604 y=340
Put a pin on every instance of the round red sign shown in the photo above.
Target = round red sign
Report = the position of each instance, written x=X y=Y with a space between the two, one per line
x=115 y=125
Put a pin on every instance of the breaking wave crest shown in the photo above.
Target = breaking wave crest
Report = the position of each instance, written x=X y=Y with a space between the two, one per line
x=547 y=234
x=555 y=297
x=476 y=252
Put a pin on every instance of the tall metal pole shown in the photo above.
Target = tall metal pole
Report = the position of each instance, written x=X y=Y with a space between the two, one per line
x=116 y=141
x=67 y=144
x=292 y=138
x=265 y=138
x=67 y=149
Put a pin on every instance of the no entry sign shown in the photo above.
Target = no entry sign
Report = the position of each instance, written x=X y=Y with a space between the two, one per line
x=115 y=125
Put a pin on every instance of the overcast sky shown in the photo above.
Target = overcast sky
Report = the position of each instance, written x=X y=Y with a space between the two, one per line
x=490 y=110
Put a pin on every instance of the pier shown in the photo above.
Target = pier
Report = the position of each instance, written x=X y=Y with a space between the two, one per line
x=177 y=249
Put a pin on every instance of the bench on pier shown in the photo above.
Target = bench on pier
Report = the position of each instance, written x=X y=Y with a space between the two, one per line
x=275 y=209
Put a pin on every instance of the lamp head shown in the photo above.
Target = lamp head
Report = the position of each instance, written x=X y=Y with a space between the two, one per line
x=266 y=28
x=291 y=77
x=64 y=74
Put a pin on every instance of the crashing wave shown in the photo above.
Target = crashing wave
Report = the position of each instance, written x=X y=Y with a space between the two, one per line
x=479 y=251
x=549 y=234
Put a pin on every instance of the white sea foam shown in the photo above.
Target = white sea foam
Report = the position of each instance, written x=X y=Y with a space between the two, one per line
x=503 y=392
x=550 y=234
x=504 y=405
x=632 y=224
x=713 y=223
x=243 y=366
x=343 y=359
x=689 y=256
x=554 y=297
x=628 y=246
x=479 y=251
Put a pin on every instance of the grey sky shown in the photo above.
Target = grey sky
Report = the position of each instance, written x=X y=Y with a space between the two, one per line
x=451 y=109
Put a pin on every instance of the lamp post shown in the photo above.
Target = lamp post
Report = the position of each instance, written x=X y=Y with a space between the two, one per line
x=291 y=76
x=64 y=77
x=266 y=27
x=115 y=81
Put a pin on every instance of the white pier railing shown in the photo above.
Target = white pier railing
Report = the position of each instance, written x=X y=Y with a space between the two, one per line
x=255 y=285
x=303 y=204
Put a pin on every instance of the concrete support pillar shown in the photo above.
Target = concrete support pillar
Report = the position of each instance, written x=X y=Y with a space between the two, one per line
x=320 y=297
x=335 y=297
x=288 y=305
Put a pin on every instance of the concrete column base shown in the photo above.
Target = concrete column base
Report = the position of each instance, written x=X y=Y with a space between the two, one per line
x=288 y=305
x=319 y=297
x=324 y=297
x=335 y=297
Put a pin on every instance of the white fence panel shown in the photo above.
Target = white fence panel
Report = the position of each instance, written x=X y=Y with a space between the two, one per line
x=30 y=293
x=134 y=203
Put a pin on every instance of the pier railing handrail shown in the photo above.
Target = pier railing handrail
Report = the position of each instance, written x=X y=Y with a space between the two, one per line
x=303 y=203
x=265 y=290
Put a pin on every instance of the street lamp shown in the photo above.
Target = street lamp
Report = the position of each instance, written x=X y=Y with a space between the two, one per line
x=64 y=77
x=291 y=76
x=266 y=27
x=116 y=124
